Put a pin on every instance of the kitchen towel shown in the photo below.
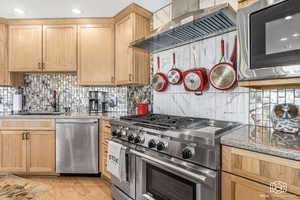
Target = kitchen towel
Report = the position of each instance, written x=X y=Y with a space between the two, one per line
x=116 y=161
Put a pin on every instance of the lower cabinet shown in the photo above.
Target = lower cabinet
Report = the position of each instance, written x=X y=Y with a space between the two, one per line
x=105 y=135
x=237 y=188
x=27 y=152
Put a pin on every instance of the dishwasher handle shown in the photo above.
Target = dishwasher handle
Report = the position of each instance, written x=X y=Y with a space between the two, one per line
x=76 y=121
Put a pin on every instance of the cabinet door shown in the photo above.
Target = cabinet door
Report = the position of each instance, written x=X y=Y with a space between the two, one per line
x=96 y=54
x=13 y=151
x=41 y=151
x=25 y=48
x=105 y=135
x=59 y=48
x=244 y=3
x=237 y=188
x=124 y=54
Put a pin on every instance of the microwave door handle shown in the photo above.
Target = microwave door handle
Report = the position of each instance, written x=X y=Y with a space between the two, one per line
x=155 y=161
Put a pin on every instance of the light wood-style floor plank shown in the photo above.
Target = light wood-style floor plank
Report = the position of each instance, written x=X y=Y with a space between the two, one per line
x=75 y=188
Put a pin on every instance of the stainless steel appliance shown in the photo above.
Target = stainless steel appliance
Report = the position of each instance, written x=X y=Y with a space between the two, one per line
x=77 y=146
x=269 y=40
x=174 y=155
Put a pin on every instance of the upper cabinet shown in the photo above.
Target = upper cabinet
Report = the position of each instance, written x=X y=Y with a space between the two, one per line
x=96 y=54
x=59 y=48
x=244 y=3
x=25 y=48
x=132 y=65
x=36 y=48
x=7 y=78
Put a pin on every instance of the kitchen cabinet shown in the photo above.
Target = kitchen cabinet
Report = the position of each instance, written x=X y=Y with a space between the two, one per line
x=105 y=136
x=41 y=151
x=262 y=168
x=25 y=48
x=7 y=78
x=13 y=151
x=37 y=48
x=132 y=65
x=27 y=149
x=59 y=48
x=244 y=3
x=96 y=54
x=235 y=187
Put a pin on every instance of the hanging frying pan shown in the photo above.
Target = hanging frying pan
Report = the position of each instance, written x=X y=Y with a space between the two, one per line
x=223 y=76
x=175 y=75
x=195 y=80
x=159 y=80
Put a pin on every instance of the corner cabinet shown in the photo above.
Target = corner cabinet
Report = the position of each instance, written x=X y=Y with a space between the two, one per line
x=96 y=54
x=132 y=65
x=7 y=78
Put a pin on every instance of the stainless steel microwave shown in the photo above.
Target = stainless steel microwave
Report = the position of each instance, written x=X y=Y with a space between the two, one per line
x=269 y=40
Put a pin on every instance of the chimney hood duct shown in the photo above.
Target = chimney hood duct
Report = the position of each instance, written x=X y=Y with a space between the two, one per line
x=190 y=27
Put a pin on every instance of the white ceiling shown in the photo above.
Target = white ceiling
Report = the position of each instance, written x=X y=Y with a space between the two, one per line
x=63 y=8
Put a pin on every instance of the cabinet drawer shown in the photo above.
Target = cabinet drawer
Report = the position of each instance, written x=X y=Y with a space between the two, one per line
x=20 y=124
x=234 y=187
x=261 y=167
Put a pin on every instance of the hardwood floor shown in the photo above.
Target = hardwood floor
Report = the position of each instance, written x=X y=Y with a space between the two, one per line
x=75 y=188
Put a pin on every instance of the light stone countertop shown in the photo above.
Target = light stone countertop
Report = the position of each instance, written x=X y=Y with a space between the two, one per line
x=264 y=140
x=103 y=116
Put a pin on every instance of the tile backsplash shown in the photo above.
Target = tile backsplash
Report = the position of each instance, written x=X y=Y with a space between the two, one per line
x=38 y=91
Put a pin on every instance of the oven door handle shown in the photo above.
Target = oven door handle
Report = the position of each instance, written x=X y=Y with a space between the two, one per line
x=155 y=161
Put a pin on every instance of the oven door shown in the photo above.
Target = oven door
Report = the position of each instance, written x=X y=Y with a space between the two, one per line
x=161 y=178
x=127 y=187
x=269 y=40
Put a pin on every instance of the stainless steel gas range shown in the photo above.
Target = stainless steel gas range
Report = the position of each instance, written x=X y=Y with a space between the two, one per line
x=169 y=157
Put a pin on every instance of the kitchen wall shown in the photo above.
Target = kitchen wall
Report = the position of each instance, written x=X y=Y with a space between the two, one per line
x=238 y=104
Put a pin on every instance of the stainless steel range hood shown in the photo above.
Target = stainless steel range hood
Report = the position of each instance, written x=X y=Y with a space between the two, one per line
x=190 y=27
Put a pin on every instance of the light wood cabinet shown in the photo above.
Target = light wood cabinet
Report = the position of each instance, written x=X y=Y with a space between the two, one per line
x=244 y=3
x=237 y=188
x=132 y=65
x=59 y=48
x=13 y=151
x=7 y=78
x=261 y=167
x=41 y=151
x=27 y=146
x=96 y=54
x=25 y=48
x=105 y=136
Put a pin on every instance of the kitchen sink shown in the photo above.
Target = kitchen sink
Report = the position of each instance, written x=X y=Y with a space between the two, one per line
x=40 y=113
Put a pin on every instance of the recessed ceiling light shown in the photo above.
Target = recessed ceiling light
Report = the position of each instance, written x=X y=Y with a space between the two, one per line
x=295 y=34
x=288 y=18
x=76 y=11
x=19 y=11
x=284 y=39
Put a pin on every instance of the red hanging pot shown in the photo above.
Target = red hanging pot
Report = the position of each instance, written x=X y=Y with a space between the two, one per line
x=175 y=75
x=195 y=80
x=159 y=80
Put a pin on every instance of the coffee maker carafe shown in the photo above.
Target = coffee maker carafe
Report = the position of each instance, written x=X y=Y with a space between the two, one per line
x=93 y=102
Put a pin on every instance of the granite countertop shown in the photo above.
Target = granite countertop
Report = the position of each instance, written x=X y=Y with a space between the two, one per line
x=104 y=116
x=264 y=140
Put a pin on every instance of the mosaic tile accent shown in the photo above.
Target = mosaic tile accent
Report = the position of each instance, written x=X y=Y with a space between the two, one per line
x=39 y=89
x=262 y=103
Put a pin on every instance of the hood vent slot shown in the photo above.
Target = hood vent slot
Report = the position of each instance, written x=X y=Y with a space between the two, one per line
x=206 y=23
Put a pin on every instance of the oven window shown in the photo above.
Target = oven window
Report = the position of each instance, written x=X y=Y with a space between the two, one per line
x=167 y=186
x=275 y=35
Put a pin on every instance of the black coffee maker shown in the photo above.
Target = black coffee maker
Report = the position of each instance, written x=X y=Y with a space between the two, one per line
x=97 y=102
x=93 y=102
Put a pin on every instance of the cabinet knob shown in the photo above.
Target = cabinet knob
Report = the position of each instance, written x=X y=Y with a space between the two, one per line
x=39 y=65
x=43 y=66
x=130 y=77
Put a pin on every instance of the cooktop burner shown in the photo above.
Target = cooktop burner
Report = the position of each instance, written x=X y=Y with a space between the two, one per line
x=163 y=121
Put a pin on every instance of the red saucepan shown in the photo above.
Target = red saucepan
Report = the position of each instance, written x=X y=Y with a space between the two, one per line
x=175 y=75
x=223 y=75
x=159 y=80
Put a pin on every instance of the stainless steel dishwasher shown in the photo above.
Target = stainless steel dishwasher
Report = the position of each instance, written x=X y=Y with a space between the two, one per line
x=77 y=146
